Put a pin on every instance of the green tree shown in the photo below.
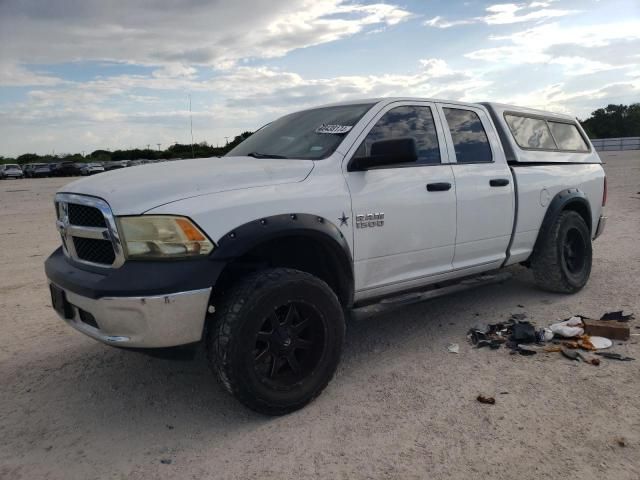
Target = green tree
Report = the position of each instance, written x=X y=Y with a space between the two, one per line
x=614 y=121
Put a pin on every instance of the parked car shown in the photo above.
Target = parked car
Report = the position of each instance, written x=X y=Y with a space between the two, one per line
x=115 y=164
x=135 y=163
x=10 y=170
x=39 y=170
x=54 y=170
x=262 y=253
x=69 y=169
x=91 y=169
x=26 y=169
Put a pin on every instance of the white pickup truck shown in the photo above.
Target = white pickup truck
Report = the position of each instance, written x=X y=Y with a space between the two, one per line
x=261 y=254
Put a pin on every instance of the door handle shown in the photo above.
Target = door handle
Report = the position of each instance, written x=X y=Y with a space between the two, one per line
x=499 y=182
x=438 y=187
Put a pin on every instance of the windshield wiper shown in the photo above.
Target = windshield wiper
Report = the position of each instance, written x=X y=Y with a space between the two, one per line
x=264 y=155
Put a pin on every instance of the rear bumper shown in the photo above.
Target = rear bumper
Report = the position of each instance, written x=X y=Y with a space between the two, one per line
x=142 y=322
x=600 y=228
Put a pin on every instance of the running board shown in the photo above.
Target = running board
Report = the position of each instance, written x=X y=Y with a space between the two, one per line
x=390 y=303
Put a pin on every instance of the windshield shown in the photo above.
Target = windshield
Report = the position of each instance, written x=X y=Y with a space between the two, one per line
x=308 y=135
x=11 y=165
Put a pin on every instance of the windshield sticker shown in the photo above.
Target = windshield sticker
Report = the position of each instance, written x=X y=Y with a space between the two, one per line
x=333 y=129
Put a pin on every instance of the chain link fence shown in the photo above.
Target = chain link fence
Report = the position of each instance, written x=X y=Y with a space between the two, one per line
x=616 y=144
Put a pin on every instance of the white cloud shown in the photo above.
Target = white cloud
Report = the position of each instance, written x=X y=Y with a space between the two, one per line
x=505 y=13
x=579 y=49
x=14 y=75
x=188 y=32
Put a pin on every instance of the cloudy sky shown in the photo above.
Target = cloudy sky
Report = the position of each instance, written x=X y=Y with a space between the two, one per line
x=85 y=74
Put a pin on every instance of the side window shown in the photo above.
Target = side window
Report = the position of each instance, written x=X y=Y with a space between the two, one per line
x=408 y=122
x=469 y=138
x=568 y=137
x=530 y=132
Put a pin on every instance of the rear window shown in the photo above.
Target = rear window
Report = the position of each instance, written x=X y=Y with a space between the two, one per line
x=568 y=137
x=469 y=138
x=530 y=132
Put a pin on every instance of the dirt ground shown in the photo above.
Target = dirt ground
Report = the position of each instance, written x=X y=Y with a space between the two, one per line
x=400 y=405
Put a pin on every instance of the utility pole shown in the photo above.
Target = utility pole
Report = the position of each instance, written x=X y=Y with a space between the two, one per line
x=193 y=155
x=226 y=140
x=158 y=146
x=148 y=145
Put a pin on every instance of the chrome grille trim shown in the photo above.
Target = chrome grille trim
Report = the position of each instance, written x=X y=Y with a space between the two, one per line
x=68 y=231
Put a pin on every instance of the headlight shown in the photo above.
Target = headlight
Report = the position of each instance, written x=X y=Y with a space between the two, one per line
x=162 y=237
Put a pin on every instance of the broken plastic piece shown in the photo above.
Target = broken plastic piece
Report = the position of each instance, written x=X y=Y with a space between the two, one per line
x=570 y=354
x=526 y=350
x=488 y=400
x=614 y=356
x=453 y=348
x=619 y=316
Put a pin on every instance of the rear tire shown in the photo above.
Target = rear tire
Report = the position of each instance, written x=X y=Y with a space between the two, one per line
x=562 y=260
x=275 y=340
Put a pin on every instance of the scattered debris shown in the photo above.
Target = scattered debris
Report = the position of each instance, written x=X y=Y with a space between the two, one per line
x=570 y=354
x=487 y=400
x=453 y=348
x=618 y=315
x=621 y=441
x=526 y=349
x=617 y=330
x=600 y=343
x=522 y=337
x=553 y=349
x=524 y=332
x=166 y=461
x=615 y=356
x=572 y=327
x=578 y=355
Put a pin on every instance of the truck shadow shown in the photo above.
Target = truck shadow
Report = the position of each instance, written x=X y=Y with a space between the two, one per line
x=103 y=392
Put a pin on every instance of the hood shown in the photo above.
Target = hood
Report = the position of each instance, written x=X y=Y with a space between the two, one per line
x=134 y=190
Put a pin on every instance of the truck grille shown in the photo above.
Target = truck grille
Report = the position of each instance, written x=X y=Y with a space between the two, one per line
x=94 y=251
x=85 y=216
x=88 y=230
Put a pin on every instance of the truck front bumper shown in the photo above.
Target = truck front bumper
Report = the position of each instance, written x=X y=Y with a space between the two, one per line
x=141 y=304
x=142 y=322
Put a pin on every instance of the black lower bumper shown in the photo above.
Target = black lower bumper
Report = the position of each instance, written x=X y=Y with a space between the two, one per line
x=134 y=278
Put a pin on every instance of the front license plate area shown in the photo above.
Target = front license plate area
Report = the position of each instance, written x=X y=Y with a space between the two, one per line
x=60 y=303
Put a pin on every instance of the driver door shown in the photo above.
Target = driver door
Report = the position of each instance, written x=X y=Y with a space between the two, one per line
x=404 y=214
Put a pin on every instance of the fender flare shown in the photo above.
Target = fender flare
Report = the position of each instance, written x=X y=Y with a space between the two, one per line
x=570 y=197
x=250 y=235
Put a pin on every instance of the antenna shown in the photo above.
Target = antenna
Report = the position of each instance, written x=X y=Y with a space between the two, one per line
x=193 y=155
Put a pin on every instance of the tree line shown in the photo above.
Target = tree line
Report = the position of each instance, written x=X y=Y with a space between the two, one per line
x=178 y=150
x=608 y=122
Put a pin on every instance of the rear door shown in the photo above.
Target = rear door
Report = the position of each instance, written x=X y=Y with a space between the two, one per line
x=484 y=187
x=405 y=214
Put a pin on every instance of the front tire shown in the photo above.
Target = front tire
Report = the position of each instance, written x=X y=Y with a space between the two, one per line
x=562 y=261
x=276 y=339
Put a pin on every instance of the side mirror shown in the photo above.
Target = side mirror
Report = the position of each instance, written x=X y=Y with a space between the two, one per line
x=387 y=152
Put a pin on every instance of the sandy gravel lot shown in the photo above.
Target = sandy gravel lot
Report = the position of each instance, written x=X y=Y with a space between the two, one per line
x=399 y=407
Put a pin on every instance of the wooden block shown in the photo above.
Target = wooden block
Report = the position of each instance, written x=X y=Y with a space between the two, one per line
x=606 y=328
